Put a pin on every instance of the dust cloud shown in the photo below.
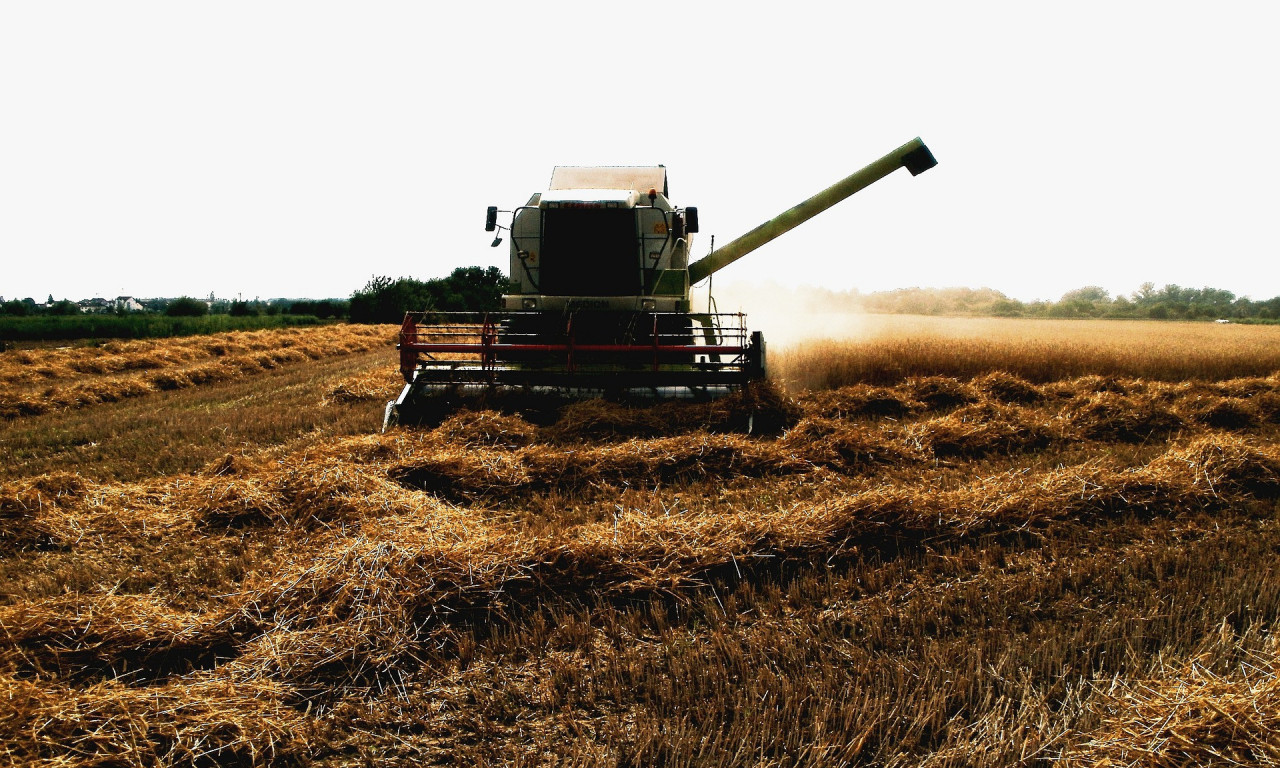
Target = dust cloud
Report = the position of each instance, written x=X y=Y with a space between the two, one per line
x=789 y=315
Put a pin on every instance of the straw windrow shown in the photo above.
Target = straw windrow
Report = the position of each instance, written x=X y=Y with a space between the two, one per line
x=40 y=381
x=943 y=570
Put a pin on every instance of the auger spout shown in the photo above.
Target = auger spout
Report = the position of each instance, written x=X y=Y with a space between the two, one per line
x=914 y=156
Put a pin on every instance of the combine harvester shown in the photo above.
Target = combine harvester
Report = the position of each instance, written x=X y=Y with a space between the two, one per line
x=599 y=303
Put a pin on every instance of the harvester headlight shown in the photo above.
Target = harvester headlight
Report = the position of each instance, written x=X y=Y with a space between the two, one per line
x=529 y=303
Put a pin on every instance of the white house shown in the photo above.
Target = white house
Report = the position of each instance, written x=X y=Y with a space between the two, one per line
x=92 y=306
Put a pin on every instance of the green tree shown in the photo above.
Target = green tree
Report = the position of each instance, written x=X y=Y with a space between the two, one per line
x=1145 y=295
x=1121 y=307
x=1212 y=302
x=326 y=308
x=384 y=300
x=1006 y=308
x=1093 y=294
x=467 y=289
x=186 y=306
x=64 y=307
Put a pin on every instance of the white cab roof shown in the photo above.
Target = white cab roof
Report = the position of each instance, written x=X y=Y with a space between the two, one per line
x=640 y=178
x=626 y=198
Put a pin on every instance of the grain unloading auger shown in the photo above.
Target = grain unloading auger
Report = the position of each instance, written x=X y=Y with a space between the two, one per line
x=599 y=299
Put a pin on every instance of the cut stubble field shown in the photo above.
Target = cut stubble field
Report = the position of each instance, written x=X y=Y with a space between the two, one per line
x=1006 y=543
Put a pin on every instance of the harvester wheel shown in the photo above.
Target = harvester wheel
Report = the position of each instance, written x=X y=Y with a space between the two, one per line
x=756 y=363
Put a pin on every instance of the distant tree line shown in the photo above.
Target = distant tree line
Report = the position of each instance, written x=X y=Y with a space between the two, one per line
x=385 y=300
x=467 y=289
x=185 y=306
x=1168 y=302
x=325 y=309
x=1171 y=302
x=28 y=307
x=382 y=300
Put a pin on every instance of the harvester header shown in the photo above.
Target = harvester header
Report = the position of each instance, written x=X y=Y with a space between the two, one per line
x=599 y=301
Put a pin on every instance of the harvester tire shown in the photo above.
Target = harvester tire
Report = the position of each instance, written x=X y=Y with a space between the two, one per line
x=756 y=363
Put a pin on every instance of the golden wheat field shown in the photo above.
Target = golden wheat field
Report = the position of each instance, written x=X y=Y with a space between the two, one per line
x=1006 y=544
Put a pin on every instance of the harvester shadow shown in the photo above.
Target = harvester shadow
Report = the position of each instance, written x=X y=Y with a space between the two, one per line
x=760 y=408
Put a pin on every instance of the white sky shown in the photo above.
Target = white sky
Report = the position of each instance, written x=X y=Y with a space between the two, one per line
x=295 y=149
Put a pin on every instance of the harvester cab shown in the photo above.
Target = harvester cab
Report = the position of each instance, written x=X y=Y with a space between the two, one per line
x=601 y=239
x=599 y=301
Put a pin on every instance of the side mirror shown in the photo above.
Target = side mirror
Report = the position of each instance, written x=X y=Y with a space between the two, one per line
x=691 y=219
x=491 y=218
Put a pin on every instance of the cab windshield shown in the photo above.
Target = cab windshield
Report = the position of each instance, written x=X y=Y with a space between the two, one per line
x=589 y=252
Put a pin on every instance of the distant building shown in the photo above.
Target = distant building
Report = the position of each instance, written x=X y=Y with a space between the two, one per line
x=95 y=306
x=128 y=304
